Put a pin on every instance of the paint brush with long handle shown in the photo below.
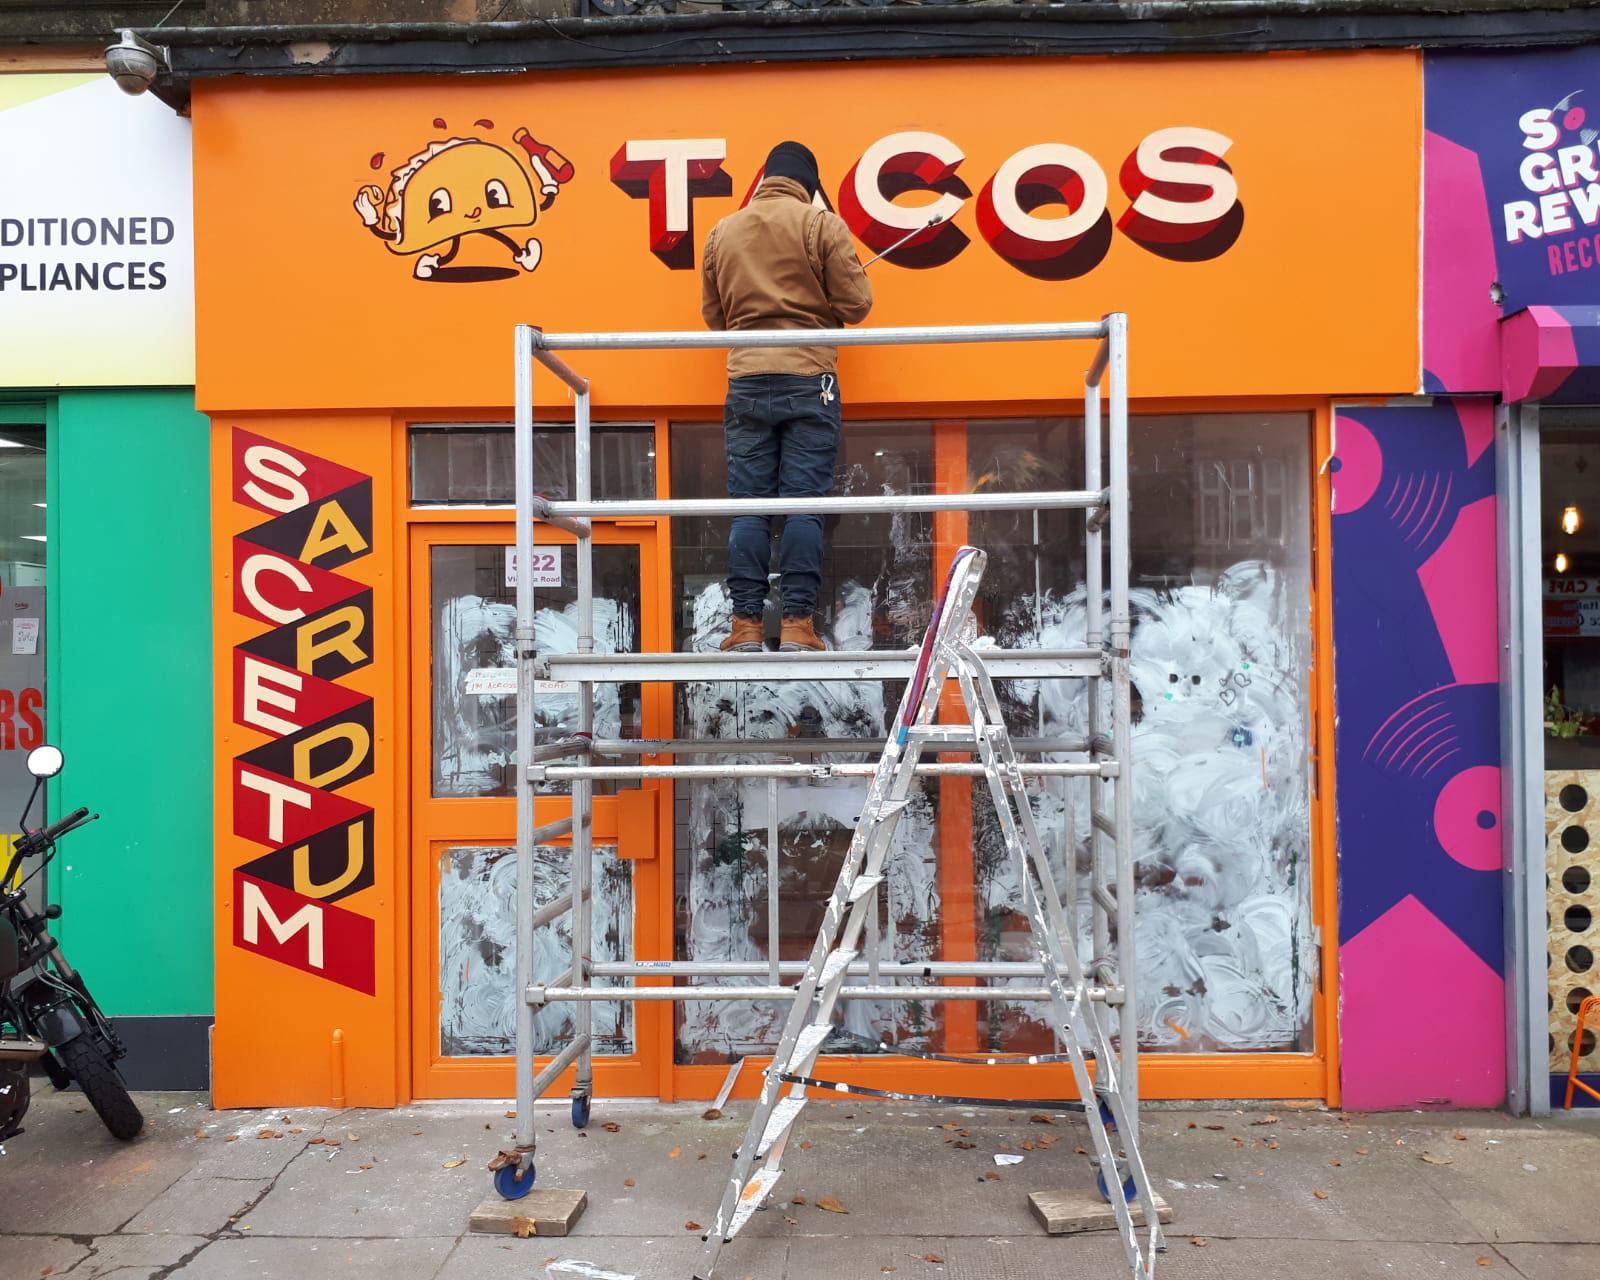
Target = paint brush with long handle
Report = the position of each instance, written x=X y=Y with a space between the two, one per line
x=929 y=225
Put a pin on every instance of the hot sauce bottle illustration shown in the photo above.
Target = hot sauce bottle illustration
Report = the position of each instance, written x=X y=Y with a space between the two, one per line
x=462 y=187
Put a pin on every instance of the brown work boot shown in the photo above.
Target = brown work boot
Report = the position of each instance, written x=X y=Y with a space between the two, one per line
x=745 y=637
x=798 y=634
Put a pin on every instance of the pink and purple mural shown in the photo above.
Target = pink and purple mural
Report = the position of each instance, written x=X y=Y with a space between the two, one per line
x=1414 y=610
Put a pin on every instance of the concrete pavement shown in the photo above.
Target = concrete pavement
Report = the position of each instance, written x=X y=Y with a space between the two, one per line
x=1256 y=1192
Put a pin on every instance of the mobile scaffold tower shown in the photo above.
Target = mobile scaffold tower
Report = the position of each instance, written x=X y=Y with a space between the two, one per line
x=1082 y=1000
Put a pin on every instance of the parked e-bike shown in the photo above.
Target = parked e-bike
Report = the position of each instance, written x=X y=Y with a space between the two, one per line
x=46 y=1011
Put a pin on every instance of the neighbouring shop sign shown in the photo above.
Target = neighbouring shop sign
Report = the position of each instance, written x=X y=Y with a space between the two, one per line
x=96 y=236
x=1572 y=607
x=1531 y=121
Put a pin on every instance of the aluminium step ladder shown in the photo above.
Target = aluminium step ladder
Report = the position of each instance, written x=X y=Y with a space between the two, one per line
x=946 y=651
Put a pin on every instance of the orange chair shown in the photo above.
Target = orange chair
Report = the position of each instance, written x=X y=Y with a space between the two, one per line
x=1590 y=1005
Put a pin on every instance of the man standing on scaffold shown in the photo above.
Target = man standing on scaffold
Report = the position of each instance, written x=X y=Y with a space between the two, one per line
x=781 y=262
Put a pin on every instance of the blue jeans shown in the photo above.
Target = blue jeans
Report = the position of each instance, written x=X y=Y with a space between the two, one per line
x=781 y=432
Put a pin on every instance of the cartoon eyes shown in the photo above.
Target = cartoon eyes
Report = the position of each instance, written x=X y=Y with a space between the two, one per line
x=1173 y=677
x=439 y=203
x=495 y=194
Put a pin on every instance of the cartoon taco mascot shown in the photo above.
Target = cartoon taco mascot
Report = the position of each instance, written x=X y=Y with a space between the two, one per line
x=462 y=187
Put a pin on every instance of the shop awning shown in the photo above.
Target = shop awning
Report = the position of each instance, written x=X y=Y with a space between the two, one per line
x=1551 y=354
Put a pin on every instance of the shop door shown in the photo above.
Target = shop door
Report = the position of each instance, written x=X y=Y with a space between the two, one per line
x=463 y=718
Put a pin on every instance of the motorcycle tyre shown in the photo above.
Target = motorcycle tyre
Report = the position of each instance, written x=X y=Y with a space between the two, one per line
x=102 y=1086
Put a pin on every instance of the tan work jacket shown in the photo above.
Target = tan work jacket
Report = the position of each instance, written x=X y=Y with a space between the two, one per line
x=782 y=263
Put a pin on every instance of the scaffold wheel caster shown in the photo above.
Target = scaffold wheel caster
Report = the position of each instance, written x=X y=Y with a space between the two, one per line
x=580 y=1110
x=1128 y=1189
x=512 y=1182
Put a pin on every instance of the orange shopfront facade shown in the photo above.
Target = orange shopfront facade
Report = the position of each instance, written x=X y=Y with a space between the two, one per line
x=364 y=249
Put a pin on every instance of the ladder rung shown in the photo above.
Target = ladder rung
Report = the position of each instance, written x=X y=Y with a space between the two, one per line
x=806 y=1046
x=755 y=1191
x=836 y=963
x=862 y=886
x=1103 y=822
x=780 y=1122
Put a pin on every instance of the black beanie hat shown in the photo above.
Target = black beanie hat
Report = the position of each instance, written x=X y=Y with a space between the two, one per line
x=794 y=160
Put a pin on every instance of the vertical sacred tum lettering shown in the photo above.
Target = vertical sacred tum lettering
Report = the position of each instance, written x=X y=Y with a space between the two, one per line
x=286 y=792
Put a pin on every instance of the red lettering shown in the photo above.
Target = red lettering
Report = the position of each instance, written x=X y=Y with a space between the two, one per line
x=1586 y=253
x=672 y=173
x=1555 y=259
x=1185 y=198
x=1047 y=248
x=1570 y=254
x=29 y=706
x=8 y=731
x=889 y=168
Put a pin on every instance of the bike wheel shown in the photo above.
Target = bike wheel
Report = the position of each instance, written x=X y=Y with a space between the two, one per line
x=102 y=1086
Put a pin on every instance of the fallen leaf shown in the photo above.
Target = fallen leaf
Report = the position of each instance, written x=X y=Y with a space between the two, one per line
x=793 y=1222
x=1320 y=1195
x=415 y=1133
x=711 y=1113
x=310 y=1142
x=455 y=1162
x=627 y=1182
x=232 y=1137
x=201 y=1133
x=1399 y=1142
x=701 y=1156
x=296 y=1130
x=807 y=1145
x=1429 y=1158
x=952 y=1126
x=332 y=1142
x=1261 y=1173
x=1027 y=1144
x=1362 y=1151
x=965 y=1146
x=1267 y=1119
x=1486 y=1262
x=965 y=1133
x=798 y=1200
x=1215 y=1128
x=611 y=1126
x=933 y=1257
x=674 y=1153
x=1459 y=1136
x=1335 y=1164
x=352 y=1137
x=365 y=1166
x=523 y=1228
x=1080 y=1151
x=831 y=1205
x=511 y=1115
x=1272 y=1144
x=1049 y=1140
x=268 y=1133
x=1199 y=1242
x=692 y=1225
x=991 y=1176
x=1041 y=1119
x=1193 y=1125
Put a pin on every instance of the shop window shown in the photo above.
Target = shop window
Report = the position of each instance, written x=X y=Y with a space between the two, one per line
x=473 y=618
x=1221 y=645
x=478 y=949
x=473 y=465
x=23 y=557
x=1221 y=561
x=874 y=595
x=1569 y=456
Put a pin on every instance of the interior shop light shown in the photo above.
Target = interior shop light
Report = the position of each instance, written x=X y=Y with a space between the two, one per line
x=1571 y=521
x=1561 y=562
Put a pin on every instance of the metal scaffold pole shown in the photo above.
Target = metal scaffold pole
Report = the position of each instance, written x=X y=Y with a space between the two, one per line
x=1081 y=1003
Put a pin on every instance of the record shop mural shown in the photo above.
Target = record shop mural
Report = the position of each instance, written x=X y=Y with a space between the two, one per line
x=286 y=684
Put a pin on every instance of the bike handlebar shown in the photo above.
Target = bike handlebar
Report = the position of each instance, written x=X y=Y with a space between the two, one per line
x=64 y=825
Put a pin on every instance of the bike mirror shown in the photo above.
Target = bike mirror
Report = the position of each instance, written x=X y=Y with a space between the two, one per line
x=45 y=762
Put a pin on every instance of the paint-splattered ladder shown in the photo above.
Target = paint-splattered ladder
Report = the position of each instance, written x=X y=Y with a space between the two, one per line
x=946 y=650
